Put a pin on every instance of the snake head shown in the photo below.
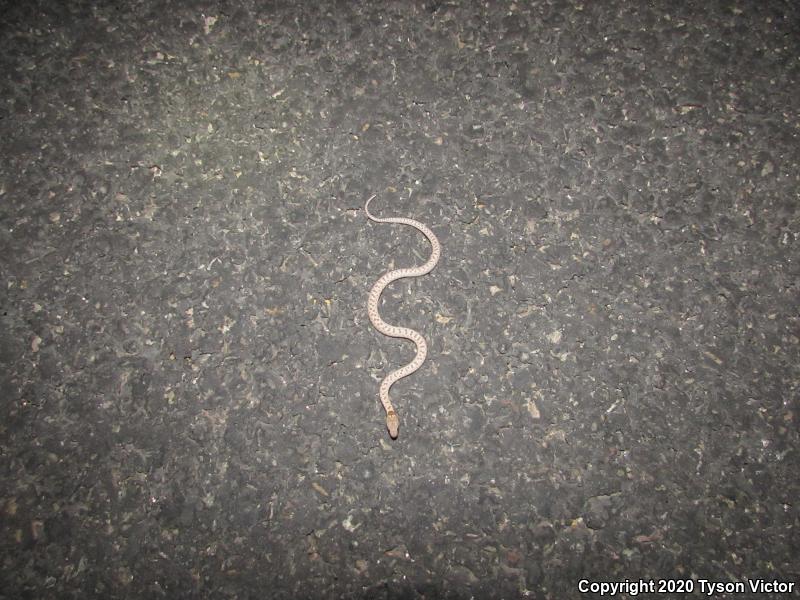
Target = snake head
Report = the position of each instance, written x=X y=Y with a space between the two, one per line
x=392 y=424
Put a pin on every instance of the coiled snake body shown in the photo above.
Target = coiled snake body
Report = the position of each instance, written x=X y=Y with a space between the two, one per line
x=392 y=420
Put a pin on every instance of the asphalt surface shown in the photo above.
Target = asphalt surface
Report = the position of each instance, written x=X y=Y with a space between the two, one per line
x=188 y=377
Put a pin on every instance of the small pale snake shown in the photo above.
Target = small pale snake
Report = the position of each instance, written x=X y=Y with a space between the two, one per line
x=392 y=420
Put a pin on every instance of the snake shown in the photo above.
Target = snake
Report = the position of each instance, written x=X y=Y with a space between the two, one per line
x=392 y=420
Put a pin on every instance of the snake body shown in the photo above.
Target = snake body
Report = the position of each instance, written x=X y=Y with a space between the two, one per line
x=392 y=420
